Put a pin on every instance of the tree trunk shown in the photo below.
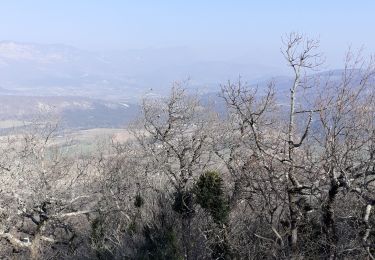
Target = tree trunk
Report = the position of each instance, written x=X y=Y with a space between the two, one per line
x=186 y=236
x=329 y=220
x=294 y=219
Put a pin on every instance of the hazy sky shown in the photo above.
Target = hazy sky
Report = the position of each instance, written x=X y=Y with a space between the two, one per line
x=231 y=28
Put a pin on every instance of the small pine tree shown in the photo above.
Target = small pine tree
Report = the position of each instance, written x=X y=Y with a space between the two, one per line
x=210 y=196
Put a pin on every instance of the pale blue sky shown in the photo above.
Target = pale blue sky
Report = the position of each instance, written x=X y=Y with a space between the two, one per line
x=231 y=28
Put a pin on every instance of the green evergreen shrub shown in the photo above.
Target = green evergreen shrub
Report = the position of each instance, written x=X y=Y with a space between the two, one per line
x=210 y=196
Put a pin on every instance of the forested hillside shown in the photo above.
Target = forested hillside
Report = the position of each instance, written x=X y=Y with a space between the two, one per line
x=275 y=175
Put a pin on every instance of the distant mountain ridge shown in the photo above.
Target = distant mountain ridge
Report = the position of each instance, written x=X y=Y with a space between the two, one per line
x=56 y=69
x=92 y=89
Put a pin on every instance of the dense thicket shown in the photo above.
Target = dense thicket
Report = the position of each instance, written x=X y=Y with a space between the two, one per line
x=279 y=176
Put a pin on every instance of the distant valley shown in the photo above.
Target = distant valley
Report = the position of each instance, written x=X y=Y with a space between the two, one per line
x=72 y=112
x=88 y=90
x=91 y=89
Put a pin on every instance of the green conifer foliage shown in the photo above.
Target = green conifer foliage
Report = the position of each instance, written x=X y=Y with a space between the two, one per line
x=210 y=196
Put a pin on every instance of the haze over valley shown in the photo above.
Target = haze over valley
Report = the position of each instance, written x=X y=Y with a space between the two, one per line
x=88 y=89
